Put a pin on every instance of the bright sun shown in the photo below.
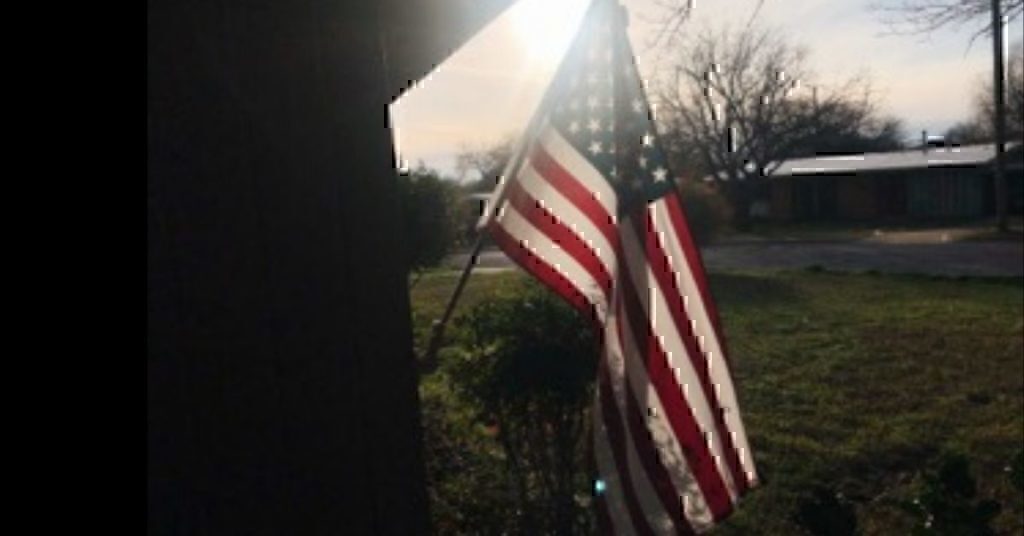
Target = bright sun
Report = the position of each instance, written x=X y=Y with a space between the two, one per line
x=545 y=27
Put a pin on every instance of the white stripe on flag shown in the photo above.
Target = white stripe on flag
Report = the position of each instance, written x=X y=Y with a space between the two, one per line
x=706 y=338
x=615 y=501
x=646 y=495
x=669 y=450
x=660 y=320
x=524 y=233
x=581 y=168
x=568 y=214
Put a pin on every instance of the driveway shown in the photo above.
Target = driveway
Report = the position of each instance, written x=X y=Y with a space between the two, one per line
x=884 y=254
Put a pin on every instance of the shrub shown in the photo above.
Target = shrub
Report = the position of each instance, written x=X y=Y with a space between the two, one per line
x=707 y=212
x=946 y=502
x=427 y=203
x=827 y=513
x=1017 y=471
x=467 y=485
x=526 y=364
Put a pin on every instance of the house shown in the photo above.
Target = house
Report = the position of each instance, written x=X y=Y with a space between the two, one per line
x=281 y=386
x=928 y=183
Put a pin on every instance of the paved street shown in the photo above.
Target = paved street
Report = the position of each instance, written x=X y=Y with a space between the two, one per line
x=934 y=257
x=951 y=259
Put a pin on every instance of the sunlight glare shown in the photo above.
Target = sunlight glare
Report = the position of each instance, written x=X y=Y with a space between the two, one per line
x=545 y=27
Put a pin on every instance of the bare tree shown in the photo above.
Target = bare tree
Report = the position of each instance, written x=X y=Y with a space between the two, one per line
x=735 y=110
x=669 y=21
x=1014 y=116
x=922 y=16
x=979 y=127
x=1015 y=92
x=672 y=16
x=968 y=132
x=479 y=168
x=925 y=16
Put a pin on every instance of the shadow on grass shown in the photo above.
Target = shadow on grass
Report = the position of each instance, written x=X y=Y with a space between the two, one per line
x=748 y=290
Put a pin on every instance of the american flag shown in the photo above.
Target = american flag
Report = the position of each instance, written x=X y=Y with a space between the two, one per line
x=587 y=206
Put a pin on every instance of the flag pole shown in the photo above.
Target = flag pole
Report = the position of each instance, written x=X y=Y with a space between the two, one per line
x=429 y=360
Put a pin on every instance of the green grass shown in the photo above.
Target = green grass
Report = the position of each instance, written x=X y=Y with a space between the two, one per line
x=854 y=383
x=432 y=290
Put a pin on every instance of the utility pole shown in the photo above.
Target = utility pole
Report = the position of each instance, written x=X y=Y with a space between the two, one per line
x=1000 y=114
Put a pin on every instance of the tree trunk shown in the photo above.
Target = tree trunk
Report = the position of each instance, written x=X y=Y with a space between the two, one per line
x=740 y=197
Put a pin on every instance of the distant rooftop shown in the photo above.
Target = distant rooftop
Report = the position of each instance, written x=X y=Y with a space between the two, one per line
x=967 y=155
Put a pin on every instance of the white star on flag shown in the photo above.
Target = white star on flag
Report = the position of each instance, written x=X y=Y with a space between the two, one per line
x=595 y=217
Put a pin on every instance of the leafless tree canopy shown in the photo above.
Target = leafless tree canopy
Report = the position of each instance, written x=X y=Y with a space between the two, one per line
x=1014 y=96
x=1015 y=91
x=486 y=163
x=729 y=99
x=923 y=16
x=979 y=127
x=669 y=21
x=672 y=16
x=738 y=104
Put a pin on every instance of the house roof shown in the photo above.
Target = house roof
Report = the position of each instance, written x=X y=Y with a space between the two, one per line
x=968 y=155
x=418 y=35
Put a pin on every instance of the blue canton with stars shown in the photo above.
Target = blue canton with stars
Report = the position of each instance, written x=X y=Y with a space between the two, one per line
x=601 y=109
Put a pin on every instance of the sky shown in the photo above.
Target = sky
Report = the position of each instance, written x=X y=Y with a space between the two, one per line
x=489 y=88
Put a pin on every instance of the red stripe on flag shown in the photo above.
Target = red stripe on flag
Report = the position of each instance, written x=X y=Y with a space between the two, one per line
x=548 y=224
x=612 y=420
x=540 y=269
x=693 y=259
x=657 y=258
x=678 y=413
x=656 y=472
x=571 y=188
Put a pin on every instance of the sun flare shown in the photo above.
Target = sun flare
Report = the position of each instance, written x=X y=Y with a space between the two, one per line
x=545 y=27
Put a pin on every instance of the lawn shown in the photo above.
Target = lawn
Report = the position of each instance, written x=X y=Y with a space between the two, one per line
x=850 y=385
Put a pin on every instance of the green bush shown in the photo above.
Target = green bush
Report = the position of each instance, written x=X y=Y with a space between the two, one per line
x=707 y=212
x=1017 y=471
x=526 y=364
x=947 y=504
x=827 y=513
x=428 y=209
x=468 y=487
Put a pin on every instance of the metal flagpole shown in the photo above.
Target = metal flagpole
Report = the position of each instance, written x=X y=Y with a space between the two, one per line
x=429 y=359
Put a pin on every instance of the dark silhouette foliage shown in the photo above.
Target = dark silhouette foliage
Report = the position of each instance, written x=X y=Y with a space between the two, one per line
x=827 y=513
x=947 y=503
x=527 y=365
x=427 y=203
